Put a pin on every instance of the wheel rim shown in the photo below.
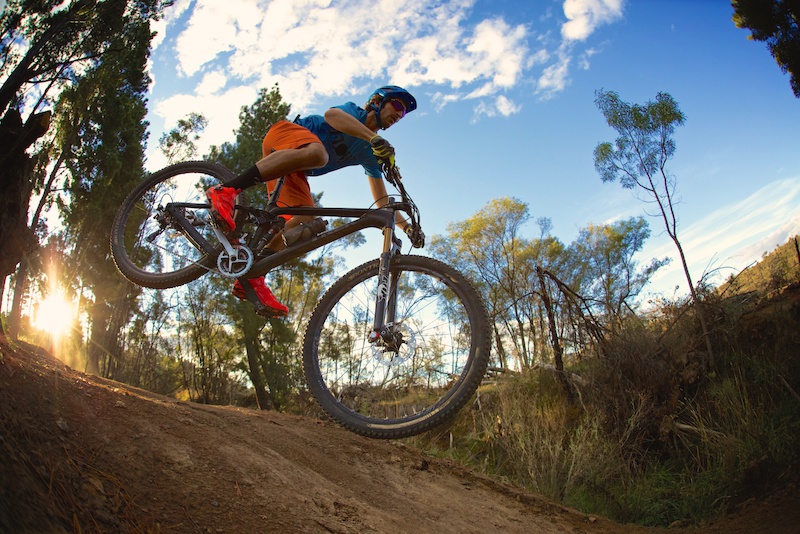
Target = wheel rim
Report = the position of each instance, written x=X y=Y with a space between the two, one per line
x=392 y=383
x=150 y=250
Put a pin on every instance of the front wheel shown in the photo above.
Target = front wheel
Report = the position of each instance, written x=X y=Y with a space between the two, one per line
x=434 y=363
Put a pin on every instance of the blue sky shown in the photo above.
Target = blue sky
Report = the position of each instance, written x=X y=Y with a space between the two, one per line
x=506 y=94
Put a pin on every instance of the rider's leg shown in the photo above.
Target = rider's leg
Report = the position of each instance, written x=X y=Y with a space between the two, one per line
x=282 y=162
x=273 y=166
x=286 y=148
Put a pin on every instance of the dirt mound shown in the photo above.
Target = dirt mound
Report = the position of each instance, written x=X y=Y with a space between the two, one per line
x=80 y=453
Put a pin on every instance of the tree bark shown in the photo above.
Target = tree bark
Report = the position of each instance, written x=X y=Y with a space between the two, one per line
x=558 y=352
x=254 y=370
x=20 y=286
x=16 y=185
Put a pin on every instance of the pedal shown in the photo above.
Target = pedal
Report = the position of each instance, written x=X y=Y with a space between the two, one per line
x=263 y=311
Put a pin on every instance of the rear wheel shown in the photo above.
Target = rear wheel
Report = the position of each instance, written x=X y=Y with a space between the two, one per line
x=147 y=248
x=412 y=380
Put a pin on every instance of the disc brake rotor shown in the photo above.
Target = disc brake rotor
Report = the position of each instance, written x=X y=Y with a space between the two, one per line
x=398 y=350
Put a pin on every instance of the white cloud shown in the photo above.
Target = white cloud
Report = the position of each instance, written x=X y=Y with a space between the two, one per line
x=220 y=108
x=583 y=62
x=342 y=48
x=501 y=106
x=584 y=16
x=555 y=77
x=731 y=237
x=506 y=107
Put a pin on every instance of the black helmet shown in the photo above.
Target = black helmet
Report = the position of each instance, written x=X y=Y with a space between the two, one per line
x=391 y=92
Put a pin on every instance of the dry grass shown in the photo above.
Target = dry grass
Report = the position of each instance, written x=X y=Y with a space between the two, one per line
x=655 y=436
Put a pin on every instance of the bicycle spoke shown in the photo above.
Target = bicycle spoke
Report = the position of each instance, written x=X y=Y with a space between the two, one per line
x=417 y=367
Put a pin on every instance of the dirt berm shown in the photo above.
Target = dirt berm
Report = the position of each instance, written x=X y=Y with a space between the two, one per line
x=82 y=454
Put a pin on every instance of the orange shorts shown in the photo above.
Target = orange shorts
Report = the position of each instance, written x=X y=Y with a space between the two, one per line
x=287 y=135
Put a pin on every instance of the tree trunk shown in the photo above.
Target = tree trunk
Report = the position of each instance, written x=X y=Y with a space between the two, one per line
x=21 y=284
x=797 y=249
x=2 y=294
x=16 y=185
x=558 y=352
x=254 y=371
x=20 y=287
x=95 y=351
x=23 y=72
x=698 y=304
x=498 y=343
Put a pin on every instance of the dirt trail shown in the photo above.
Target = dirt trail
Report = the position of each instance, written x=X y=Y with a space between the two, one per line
x=77 y=451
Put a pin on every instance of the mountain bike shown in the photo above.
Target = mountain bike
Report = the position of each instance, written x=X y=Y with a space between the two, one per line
x=394 y=347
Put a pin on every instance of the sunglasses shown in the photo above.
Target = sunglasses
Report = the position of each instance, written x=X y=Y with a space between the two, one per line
x=397 y=105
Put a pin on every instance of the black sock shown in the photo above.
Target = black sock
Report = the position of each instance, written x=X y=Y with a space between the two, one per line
x=248 y=178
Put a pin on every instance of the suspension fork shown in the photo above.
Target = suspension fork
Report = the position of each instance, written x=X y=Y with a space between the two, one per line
x=386 y=301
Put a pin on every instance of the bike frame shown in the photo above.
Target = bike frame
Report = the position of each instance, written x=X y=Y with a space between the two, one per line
x=382 y=218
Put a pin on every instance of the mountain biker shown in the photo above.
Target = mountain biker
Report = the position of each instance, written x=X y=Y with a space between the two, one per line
x=346 y=135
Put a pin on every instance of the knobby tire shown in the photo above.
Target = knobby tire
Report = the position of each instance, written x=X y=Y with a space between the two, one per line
x=150 y=264
x=396 y=394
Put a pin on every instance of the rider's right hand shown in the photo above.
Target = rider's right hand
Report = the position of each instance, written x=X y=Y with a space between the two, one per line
x=416 y=236
x=383 y=150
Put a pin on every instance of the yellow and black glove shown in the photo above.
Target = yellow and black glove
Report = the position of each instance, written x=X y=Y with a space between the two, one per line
x=384 y=152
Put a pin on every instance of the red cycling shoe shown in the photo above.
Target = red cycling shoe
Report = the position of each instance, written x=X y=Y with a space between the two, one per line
x=223 y=200
x=265 y=296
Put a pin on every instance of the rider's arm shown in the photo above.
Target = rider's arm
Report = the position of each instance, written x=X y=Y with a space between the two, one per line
x=378 y=187
x=342 y=121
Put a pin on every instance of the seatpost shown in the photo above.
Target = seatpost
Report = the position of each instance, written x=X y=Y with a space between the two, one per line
x=273 y=197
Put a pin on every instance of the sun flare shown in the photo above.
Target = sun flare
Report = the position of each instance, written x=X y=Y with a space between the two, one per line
x=55 y=314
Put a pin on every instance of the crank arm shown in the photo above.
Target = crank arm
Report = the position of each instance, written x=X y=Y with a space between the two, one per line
x=224 y=241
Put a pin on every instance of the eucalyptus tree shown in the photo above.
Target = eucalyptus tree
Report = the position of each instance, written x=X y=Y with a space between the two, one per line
x=179 y=144
x=210 y=353
x=638 y=159
x=489 y=248
x=106 y=107
x=271 y=348
x=254 y=121
x=606 y=273
x=777 y=23
x=44 y=47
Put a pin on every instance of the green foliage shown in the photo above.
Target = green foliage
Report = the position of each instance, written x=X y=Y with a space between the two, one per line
x=605 y=271
x=211 y=348
x=44 y=47
x=597 y=273
x=638 y=159
x=777 y=23
x=490 y=250
x=254 y=121
x=272 y=348
x=63 y=39
x=101 y=127
x=644 y=144
x=777 y=269
x=652 y=440
x=178 y=144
